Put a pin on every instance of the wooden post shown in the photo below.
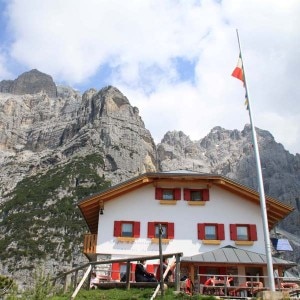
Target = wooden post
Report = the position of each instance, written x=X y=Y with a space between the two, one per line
x=128 y=271
x=75 y=278
x=65 y=283
x=81 y=282
x=177 y=273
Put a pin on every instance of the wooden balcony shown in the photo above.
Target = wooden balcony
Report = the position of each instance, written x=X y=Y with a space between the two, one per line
x=89 y=243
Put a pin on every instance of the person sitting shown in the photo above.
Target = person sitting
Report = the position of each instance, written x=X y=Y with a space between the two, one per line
x=230 y=280
x=209 y=282
x=169 y=275
x=186 y=285
x=94 y=281
x=141 y=275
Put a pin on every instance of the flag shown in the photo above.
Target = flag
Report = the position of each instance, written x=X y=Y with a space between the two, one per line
x=238 y=71
x=246 y=102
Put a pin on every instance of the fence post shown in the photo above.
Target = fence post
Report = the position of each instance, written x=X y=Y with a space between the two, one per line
x=81 y=282
x=128 y=271
x=65 y=283
x=177 y=274
x=75 y=278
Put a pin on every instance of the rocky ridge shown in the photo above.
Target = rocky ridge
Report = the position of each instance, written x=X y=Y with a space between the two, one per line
x=31 y=82
x=55 y=150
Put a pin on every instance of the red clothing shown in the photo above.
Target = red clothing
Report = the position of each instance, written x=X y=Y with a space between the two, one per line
x=209 y=281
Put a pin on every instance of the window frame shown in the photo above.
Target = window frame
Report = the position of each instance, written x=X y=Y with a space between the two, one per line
x=251 y=228
x=242 y=233
x=214 y=235
x=159 y=192
x=118 y=229
x=187 y=192
x=220 y=234
x=127 y=233
x=151 y=232
x=164 y=233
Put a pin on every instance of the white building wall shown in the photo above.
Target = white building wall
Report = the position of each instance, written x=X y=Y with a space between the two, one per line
x=140 y=205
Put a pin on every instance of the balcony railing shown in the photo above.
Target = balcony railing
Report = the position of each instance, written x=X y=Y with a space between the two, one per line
x=89 y=243
x=239 y=286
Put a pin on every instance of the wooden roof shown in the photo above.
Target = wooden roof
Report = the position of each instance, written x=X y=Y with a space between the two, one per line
x=90 y=206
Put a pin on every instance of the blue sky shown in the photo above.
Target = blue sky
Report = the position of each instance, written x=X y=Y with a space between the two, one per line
x=171 y=59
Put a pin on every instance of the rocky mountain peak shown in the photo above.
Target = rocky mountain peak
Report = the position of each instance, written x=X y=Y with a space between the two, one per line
x=31 y=82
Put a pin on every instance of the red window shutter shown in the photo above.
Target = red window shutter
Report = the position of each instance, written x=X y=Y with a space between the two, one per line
x=136 y=229
x=253 y=232
x=205 y=194
x=201 y=231
x=151 y=229
x=170 y=230
x=177 y=194
x=233 y=233
x=158 y=193
x=221 y=233
x=115 y=271
x=187 y=194
x=117 y=228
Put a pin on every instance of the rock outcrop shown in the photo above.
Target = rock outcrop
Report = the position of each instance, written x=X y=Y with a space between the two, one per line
x=31 y=82
x=230 y=153
x=34 y=128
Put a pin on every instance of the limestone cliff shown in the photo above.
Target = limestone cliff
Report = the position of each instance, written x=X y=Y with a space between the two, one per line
x=37 y=132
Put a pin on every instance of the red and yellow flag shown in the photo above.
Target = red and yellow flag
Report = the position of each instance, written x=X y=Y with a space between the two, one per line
x=238 y=71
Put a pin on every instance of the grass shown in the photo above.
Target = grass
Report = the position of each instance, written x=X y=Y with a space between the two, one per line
x=132 y=294
x=43 y=289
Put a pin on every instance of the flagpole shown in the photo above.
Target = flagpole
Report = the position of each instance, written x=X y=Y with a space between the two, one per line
x=260 y=185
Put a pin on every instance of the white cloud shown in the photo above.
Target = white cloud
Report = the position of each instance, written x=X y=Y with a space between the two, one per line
x=4 y=73
x=141 y=41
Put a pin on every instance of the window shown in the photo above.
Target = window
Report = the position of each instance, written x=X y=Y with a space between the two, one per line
x=243 y=232
x=164 y=229
x=211 y=231
x=167 y=194
x=123 y=269
x=127 y=229
x=167 y=230
x=196 y=194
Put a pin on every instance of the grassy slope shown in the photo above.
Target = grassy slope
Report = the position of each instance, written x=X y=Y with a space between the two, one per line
x=132 y=294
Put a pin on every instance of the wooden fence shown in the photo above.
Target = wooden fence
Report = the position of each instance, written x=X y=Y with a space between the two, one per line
x=77 y=277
